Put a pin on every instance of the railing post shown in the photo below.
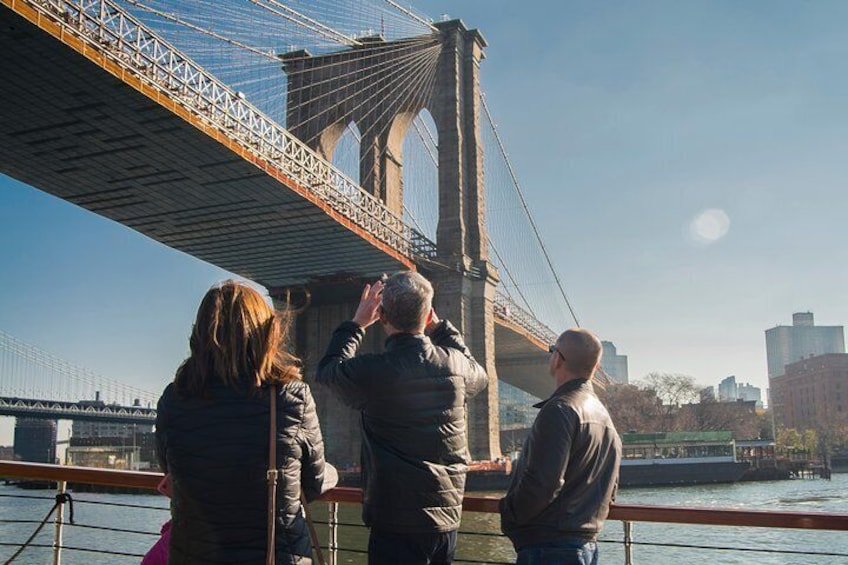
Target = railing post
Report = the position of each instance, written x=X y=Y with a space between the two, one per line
x=57 y=525
x=628 y=542
x=333 y=532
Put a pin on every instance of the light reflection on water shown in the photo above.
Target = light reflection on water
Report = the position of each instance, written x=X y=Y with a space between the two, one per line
x=798 y=495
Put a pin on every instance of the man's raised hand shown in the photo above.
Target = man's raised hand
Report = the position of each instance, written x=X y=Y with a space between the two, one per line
x=368 y=310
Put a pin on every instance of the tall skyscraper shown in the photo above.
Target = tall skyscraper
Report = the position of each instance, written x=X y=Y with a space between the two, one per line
x=613 y=364
x=789 y=344
x=35 y=440
x=746 y=391
x=728 y=390
x=731 y=391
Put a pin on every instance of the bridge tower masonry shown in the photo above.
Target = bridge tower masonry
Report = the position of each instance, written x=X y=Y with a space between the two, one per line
x=325 y=94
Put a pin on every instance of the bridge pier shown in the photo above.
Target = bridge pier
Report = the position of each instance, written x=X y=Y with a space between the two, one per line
x=327 y=305
x=327 y=92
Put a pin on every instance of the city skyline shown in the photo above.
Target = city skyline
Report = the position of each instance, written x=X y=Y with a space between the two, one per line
x=684 y=164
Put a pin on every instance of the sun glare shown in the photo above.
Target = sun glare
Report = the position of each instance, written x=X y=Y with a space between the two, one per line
x=709 y=226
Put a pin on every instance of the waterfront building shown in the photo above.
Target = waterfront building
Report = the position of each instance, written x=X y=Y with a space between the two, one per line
x=106 y=457
x=135 y=452
x=108 y=430
x=86 y=429
x=788 y=344
x=35 y=440
x=613 y=364
x=813 y=394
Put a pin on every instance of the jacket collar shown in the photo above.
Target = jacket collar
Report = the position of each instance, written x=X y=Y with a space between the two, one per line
x=401 y=340
x=567 y=387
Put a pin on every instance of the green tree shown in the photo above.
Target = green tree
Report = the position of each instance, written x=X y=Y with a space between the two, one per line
x=789 y=440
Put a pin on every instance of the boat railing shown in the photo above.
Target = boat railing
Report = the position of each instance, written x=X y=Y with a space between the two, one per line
x=329 y=528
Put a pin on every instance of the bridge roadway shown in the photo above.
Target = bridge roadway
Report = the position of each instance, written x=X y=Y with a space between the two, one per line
x=61 y=410
x=96 y=131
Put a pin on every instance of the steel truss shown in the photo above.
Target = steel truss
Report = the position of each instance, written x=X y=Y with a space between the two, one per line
x=120 y=37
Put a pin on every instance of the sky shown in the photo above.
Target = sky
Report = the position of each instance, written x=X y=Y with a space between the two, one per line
x=685 y=162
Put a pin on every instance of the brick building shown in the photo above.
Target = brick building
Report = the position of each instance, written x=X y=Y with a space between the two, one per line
x=813 y=393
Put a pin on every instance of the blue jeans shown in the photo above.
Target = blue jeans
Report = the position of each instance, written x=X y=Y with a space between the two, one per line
x=570 y=551
x=435 y=548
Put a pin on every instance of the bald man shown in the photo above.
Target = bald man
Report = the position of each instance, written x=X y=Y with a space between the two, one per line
x=567 y=475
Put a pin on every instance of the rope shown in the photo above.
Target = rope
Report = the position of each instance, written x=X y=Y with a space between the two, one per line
x=83 y=549
x=27 y=497
x=61 y=498
x=118 y=530
x=121 y=505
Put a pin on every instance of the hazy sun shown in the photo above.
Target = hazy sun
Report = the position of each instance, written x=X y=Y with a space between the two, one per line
x=709 y=225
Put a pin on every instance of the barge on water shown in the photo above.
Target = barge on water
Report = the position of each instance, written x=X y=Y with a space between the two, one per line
x=654 y=459
x=679 y=459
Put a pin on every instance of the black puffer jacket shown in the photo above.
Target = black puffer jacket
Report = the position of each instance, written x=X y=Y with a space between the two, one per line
x=567 y=475
x=413 y=404
x=216 y=450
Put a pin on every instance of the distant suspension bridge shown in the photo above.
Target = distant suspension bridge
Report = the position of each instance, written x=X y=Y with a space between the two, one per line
x=35 y=383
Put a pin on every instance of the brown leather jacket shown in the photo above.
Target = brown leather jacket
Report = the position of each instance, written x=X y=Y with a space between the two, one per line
x=567 y=475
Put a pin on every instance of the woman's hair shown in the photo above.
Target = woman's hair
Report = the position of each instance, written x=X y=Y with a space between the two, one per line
x=237 y=339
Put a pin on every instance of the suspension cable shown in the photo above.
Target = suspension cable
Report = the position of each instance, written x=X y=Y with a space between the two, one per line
x=204 y=31
x=321 y=29
x=526 y=208
x=411 y=15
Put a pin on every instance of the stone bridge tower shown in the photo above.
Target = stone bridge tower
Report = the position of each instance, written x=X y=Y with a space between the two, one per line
x=328 y=92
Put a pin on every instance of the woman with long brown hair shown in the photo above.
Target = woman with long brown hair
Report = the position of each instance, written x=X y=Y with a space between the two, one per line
x=213 y=429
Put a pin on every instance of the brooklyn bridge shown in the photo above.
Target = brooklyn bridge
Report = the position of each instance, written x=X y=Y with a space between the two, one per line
x=309 y=152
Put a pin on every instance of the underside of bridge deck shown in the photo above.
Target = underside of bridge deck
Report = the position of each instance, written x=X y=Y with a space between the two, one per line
x=522 y=360
x=70 y=128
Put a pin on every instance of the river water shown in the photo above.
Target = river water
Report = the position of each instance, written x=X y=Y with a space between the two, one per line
x=96 y=514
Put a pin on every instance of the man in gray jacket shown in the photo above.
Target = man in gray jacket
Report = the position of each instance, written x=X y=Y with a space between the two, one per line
x=567 y=475
x=412 y=398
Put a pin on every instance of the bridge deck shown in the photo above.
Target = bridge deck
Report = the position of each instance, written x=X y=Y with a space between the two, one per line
x=522 y=360
x=72 y=129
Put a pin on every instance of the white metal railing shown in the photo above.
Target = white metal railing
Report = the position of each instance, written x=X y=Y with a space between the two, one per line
x=120 y=37
x=509 y=310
